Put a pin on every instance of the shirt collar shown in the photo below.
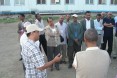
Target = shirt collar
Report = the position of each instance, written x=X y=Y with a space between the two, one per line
x=86 y=19
x=60 y=24
x=97 y=20
x=92 y=48
x=38 y=20
x=31 y=41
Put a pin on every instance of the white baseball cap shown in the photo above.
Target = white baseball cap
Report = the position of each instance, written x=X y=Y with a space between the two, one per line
x=75 y=15
x=32 y=27
x=26 y=24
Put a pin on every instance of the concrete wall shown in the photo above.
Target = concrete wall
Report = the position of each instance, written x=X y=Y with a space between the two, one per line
x=78 y=5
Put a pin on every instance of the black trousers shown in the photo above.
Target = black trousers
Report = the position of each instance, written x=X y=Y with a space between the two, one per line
x=110 y=44
x=43 y=42
x=72 y=50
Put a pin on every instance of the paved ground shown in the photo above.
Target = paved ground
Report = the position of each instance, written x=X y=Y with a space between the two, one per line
x=11 y=67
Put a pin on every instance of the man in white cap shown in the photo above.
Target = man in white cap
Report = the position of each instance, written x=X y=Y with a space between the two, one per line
x=32 y=57
x=24 y=39
x=75 y=34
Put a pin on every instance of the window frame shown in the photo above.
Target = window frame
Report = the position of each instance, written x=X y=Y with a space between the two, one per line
x=55 y=2
x=40 y=2
x=4 y=3
x=89 y=2
x=112 y=3
x=101 y=3
x=69 y=2
x=19 y=3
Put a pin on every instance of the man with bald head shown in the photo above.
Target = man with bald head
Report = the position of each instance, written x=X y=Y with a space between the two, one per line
x=108 y=24
x=67 y=20
x=103 y=15
x=93 y=62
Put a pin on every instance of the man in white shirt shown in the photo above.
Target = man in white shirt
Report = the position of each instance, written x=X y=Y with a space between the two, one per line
x=24 y=38
x=40 y=24
x=99 y=27
x=39 y=21
x=62 y=29
x=93 y=62
x=115 y=39
x=87 y=23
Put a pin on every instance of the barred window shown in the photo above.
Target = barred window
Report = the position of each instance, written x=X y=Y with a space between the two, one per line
x=41 y=1
x=4 y=2
x=55 y=1
x=102 y=1
x=69 y=1
x=19 y=2
x=89 y=1
x=114 y=2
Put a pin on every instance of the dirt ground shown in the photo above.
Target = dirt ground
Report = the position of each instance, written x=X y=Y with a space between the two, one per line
x=11 y=67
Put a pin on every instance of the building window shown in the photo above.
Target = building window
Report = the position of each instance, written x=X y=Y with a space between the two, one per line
x=55 y=1
x=69 y=1
x=4 y=2
x=102 y=1
x=19 y=2
x=114 y=2
x=89 y=1
x=41 y=1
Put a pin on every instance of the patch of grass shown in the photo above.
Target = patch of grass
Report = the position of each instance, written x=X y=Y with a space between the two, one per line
x=31 y=18
x=94 y=17
x=54 y=17
x=8 y=20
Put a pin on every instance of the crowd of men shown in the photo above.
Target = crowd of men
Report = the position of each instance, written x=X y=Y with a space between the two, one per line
x=68 y=38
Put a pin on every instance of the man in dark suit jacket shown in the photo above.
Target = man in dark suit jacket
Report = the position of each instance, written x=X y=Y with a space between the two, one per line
x=87 y=23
